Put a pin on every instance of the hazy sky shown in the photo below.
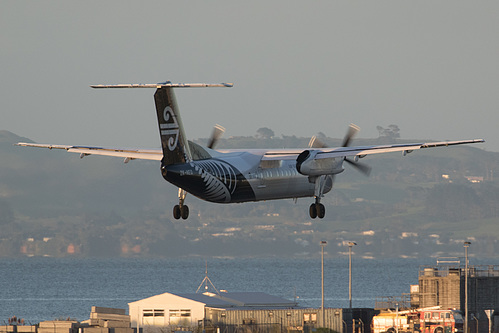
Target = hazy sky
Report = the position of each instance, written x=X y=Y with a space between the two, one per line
x=299 y=68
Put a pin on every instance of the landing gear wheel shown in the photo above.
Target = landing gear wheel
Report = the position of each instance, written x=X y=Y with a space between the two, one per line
x=176 y=212
x=321 y=210
x=184 y=212
x=313 y=211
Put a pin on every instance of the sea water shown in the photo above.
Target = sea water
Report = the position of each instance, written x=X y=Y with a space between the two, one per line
x=38 y=289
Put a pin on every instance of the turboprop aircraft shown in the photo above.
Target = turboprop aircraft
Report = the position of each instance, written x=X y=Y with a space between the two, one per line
x=242 y=175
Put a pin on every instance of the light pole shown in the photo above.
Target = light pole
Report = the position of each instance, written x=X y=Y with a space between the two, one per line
x=489 y=314
x=323 y=244
x=466 y=245
x=397 y=321
x=350 y=245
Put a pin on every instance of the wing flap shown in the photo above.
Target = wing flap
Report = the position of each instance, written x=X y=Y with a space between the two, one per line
x=281 y=155
x=366 y=150
x=143 y=154
x=290 y=154
x=451 y=143
x=370 y=150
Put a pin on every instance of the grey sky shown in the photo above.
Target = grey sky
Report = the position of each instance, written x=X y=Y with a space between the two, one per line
x=299 y=67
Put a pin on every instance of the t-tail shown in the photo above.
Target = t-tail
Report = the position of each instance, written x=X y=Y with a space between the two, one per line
x=173 y=140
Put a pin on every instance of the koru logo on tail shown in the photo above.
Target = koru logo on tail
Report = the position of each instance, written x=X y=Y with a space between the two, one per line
x=170 y=128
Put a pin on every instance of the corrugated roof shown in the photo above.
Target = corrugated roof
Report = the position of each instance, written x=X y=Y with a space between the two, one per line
x=257 y=299
x=239 y=299
x=208 y=300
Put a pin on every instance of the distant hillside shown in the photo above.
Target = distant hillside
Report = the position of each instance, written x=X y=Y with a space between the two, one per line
x=42 y=182
x=424 y=204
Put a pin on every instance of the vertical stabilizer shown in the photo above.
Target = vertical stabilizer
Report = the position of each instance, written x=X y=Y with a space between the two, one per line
x=173 y=139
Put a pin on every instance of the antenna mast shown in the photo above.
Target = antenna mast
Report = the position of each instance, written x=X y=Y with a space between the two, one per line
x=206 y=280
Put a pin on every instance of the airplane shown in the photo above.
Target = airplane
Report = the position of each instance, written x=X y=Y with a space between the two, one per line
x=242 y=175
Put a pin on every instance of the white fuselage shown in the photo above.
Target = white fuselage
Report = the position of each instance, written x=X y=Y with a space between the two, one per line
x=240 y=176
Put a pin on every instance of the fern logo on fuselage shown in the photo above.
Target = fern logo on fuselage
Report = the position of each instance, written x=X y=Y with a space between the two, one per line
x=170 y=128
x=219 y=178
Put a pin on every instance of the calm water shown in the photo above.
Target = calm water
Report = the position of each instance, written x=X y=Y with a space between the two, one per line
x=38 y=289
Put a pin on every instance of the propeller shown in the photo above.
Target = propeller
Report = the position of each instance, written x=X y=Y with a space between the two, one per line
x=362 y=167
x=217 y=133
x=352 y=131
x=316 y=143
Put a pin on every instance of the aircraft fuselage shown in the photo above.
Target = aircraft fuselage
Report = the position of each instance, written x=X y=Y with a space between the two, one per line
x=240 y=177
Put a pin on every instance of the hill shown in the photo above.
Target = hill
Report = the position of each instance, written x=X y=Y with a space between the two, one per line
x=424 y=204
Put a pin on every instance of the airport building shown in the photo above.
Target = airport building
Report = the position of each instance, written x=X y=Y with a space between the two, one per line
x=188 y=310
x=237 y=312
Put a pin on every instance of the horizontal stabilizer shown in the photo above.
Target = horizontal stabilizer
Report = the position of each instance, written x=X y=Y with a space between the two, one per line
x=167 y=84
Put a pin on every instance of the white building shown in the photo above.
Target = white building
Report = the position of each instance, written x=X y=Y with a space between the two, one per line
x=188 y=310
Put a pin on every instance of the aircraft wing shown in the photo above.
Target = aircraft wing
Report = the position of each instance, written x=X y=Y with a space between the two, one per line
x=127 y=154
x=284 y=154
x=407 y=148
x=363 y=150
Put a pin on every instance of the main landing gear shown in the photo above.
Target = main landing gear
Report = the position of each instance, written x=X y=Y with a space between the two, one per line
x=181 y=210
x=317 y=209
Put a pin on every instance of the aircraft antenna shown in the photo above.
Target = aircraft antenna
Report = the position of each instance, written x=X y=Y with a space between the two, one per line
x=206 y=280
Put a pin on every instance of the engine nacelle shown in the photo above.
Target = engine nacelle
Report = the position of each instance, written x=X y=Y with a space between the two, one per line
x=307 y=164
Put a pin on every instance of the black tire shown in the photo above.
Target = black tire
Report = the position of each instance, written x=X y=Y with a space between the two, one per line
x=184 y=212
x=313 y=211
x=321 y=210
x=439 y=330
x=176 y=212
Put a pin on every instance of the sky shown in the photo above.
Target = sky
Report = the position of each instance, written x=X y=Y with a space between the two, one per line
x=298 y=68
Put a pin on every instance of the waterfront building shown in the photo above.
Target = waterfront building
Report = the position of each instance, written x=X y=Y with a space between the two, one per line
x=196 y=309
x=444 y=286
x=236 y=312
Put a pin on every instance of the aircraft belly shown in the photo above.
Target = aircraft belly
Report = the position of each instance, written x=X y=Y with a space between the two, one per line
x=211 y=180
x=282 y=187
x=218 y=181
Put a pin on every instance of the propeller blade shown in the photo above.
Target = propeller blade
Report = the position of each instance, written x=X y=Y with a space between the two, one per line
x=363 y=168
x=217 y=133
x=352 y=131
x=316 y=143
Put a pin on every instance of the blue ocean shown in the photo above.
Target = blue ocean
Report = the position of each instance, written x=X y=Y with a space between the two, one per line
x=38 y=289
